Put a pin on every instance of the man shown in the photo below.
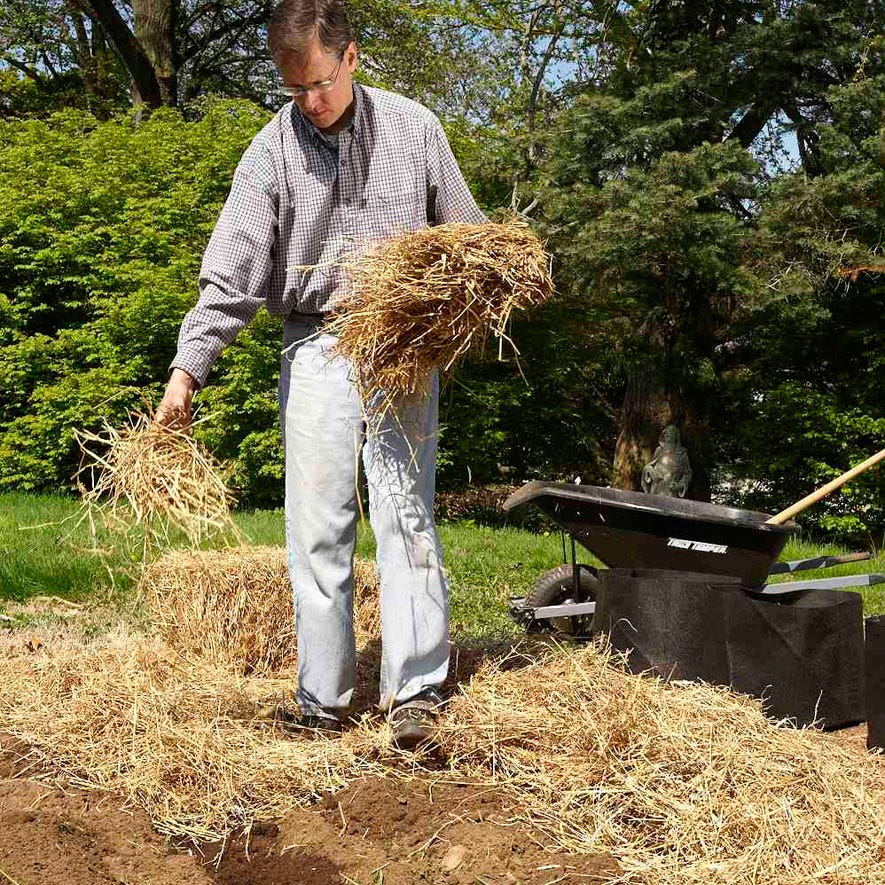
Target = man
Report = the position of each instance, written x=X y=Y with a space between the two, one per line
x=339 y=167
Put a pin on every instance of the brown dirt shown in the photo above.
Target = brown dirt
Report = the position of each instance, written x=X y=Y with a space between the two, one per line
x=376 y=831
x=373 y=831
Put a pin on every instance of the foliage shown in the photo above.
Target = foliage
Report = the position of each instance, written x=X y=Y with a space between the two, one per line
x=542 y=415
x=52 y=57
x=242 y=423
x=806 y=403
x=102 y=227
x=106 y=55
x=688 y=257
x=703 y=172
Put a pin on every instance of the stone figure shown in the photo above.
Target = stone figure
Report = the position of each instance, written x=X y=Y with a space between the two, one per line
x=669 y=471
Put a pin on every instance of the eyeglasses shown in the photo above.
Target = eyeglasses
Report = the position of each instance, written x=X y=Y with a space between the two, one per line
x=320 y=86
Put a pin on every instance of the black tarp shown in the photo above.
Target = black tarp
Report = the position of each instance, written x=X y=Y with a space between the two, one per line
x=668 y=622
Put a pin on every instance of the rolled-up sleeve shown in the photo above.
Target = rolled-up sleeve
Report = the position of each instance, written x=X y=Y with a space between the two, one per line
x=235 y=268
x=450 y=198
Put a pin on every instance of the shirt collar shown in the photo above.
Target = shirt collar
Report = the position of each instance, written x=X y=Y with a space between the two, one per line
x=359 y=104
x=359 y=108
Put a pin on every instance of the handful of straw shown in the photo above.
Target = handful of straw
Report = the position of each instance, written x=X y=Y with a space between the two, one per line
x=155 y=477
x=420 y=301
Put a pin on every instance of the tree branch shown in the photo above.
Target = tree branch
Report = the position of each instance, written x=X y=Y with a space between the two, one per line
x=21 y=66
x=753 y=122
x=221 y=31
x=131 y=51
x=806 y=139
x=542 y=66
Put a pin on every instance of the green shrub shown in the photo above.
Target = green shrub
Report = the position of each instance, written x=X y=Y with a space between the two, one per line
x=102 y=226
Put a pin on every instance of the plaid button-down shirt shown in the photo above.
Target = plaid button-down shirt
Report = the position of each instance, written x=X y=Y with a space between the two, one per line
x=297 y=205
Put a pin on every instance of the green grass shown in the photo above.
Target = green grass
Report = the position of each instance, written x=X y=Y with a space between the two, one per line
x=43 y=554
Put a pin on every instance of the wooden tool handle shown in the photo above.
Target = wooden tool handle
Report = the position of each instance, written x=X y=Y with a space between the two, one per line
x=823 y=491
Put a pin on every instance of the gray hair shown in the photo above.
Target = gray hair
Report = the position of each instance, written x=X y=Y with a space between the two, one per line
x=294 y=23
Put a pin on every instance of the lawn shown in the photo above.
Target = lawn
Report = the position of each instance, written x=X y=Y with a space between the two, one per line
x=44 y=552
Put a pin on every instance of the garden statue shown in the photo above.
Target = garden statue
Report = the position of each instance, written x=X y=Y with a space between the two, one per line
x=669 y=471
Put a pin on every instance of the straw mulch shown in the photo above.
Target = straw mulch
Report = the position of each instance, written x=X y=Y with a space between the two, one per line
x=181 y=738
x=234 y=607
x=156 y=478
x=421 y=300
x=682 y=782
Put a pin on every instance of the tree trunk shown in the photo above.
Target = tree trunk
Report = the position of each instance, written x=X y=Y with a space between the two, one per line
x=650 y=404
x=93 y=58
x=145 y=87
x=644 y=414
x=154 y=23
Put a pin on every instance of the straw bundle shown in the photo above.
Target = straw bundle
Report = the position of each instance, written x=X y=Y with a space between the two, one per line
x=421 y=300
x=234 y=608
x=682 y=782
x=155 y=477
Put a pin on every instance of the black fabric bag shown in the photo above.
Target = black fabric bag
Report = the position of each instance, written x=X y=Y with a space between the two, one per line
x=874 y=667
x=668 y=622
x=802 y=655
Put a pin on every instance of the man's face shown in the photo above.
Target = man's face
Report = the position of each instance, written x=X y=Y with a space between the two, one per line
x=324 y=107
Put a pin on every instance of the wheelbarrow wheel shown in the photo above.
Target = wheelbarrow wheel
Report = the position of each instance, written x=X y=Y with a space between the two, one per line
x=557 y=587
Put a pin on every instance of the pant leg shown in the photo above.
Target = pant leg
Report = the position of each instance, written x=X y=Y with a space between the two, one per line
x=322 y=433
x=400 y=462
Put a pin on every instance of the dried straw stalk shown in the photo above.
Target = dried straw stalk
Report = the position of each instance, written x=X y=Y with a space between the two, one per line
x=157 y=478
x=234 y=608
x=682 y=782
x=178 y=737
x=420 y=301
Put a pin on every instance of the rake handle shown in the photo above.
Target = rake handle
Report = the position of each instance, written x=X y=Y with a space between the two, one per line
x=823 y=491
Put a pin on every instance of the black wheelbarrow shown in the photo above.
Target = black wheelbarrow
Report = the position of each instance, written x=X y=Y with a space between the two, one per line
x=637 y=530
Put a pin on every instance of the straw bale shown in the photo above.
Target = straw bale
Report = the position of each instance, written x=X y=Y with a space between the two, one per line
x=156 y=478
x=420 y=301
x=682 y=782
x=234 y=607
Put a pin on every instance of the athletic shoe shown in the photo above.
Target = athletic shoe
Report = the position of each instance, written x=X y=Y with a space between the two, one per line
x=415 y=721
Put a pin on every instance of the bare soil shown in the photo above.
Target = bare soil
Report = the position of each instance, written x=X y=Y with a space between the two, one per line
x=374 y=831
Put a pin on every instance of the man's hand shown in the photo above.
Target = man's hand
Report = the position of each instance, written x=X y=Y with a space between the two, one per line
x=175 y=409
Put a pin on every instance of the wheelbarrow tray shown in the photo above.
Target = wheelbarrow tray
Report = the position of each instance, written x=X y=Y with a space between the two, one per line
x=635 y=530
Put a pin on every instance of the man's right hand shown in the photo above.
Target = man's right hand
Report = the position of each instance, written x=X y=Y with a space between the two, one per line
x=175 y=409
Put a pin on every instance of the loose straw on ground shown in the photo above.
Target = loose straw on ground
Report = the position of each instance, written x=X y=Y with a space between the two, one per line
x=157 y=478
x=178 y=737
x=681 y=782
x=420 y=301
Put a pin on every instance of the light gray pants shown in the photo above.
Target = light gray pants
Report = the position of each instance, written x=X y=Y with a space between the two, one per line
x=323 y=431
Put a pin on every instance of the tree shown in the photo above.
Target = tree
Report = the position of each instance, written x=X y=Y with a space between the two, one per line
x=166 y=35
x=51 y=56
x=102 y=226
x=651 y=199
x=171 y=52
x=803 y=398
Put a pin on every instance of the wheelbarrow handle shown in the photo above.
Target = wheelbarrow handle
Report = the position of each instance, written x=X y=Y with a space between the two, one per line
x=823 y=491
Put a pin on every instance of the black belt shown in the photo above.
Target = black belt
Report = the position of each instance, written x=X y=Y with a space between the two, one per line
x=310 y=319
